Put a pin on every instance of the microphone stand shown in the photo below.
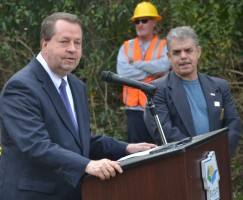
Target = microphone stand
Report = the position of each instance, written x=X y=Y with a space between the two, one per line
x=165 y=146
x=154 y=113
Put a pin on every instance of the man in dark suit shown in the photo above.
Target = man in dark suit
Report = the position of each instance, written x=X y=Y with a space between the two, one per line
x=45 y=128
x=190 y=103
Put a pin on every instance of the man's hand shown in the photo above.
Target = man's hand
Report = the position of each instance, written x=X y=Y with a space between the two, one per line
x=133 y=148
x=104 y=169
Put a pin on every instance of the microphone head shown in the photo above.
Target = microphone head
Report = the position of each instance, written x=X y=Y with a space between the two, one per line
x=106 y=76
x=111 y=77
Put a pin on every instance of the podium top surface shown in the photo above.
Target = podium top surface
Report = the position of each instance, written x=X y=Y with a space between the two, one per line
x=164 y=151
x=172 y=148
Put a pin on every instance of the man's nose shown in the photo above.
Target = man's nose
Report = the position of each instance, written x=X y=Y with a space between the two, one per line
x=183 y=54
x=71 y=46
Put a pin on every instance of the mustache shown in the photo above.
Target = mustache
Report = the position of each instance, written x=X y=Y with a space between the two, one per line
x=184 y=63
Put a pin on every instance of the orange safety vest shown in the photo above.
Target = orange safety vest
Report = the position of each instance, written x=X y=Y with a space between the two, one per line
x=132 y=96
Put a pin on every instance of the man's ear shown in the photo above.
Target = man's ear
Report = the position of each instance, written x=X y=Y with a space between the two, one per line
x=43 y=43
x=168 y=55
x=199 y=50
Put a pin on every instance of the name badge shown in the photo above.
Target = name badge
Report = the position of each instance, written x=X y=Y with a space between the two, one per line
x=217 y=104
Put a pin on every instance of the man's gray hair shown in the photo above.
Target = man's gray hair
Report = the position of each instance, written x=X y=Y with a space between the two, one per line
x=182 y=33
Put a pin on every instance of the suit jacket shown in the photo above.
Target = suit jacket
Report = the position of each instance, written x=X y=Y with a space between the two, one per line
x=175 y=114
x=43 y=157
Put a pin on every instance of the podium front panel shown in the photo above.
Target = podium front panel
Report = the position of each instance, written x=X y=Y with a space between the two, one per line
x=168 y=175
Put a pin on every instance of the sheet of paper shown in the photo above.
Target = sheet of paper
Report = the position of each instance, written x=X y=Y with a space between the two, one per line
x=141 y=153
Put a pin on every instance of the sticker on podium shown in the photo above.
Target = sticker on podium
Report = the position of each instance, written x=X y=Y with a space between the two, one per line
x=211 y=177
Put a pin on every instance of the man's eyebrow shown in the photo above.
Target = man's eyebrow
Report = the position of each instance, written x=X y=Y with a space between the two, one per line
x=184 y=49
x=176 y=50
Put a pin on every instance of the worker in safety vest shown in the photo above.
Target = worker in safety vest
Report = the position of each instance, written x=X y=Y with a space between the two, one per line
x=144 y=59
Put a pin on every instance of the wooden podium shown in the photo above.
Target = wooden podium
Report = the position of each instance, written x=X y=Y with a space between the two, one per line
x=170 y=173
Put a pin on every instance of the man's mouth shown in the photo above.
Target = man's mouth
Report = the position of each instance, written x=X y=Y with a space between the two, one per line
x=184 y=63
x=70 y=59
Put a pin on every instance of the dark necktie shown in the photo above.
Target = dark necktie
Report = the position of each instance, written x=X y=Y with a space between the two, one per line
x=63 y=94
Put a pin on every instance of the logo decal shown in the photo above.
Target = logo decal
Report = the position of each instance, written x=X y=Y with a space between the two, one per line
x=210 y=175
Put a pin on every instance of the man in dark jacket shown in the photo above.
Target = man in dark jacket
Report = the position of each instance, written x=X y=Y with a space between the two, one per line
x=46 y=141
x=190 y=103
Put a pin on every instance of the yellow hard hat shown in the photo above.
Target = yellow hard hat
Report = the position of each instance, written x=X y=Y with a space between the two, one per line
x=145 y=9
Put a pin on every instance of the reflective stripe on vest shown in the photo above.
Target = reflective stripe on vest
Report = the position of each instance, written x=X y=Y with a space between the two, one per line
x=132 y=96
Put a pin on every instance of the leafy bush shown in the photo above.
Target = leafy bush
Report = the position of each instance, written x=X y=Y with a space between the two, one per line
x=106 y=25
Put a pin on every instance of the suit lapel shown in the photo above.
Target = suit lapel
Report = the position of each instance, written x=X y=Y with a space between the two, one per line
x=181 y=103
x=53 y=94
x=213 y=100
x=79 y=102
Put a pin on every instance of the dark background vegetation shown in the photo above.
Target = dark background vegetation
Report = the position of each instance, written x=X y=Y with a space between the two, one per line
x=218 y=23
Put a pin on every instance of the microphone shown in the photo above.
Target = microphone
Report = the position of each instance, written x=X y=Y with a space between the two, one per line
x=111 y=77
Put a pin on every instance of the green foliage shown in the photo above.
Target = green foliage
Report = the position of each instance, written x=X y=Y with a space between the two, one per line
x=215 y=22
x=106 y=24
x=237 y=174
